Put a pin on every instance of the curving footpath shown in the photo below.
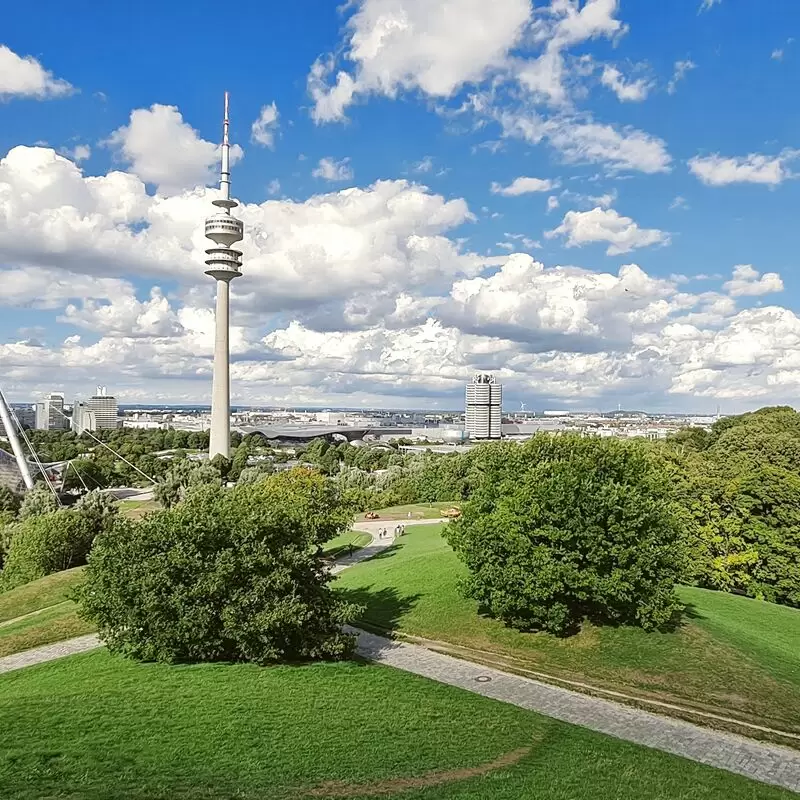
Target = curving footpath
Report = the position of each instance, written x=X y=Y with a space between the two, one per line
x=760 y=761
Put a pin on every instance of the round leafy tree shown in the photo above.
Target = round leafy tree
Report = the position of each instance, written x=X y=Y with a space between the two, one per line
x=563 y=528
x=225 y=575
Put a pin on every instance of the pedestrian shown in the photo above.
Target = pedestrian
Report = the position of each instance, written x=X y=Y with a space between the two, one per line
x=409 y=515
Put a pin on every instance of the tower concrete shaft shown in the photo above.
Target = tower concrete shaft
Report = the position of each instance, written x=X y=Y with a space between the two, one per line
x=220 y=442
x=223 y=264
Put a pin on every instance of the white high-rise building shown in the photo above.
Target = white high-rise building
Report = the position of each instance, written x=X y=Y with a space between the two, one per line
x=50 y=414
x=105 y=410
x=83 y=418
x=223 y=263
x=483 y=417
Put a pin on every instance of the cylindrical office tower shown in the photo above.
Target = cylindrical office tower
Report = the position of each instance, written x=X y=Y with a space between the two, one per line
x=483 y=416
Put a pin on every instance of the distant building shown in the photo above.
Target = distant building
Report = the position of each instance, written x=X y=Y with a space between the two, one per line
x=83 y=418
x=105 y=409
x=49 y=415
x=26 y=417
x=483 y=415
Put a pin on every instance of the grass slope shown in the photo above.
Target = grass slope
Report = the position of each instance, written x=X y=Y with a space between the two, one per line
x=338 y=546
x=733 y=656
x=96 y=726
x=40 y=612
x=39 y=594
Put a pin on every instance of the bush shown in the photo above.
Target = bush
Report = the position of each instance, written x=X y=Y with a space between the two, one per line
x=9 y=501
x=38 y=501
x=47 y=543
x=233 y=575
x=564 y=528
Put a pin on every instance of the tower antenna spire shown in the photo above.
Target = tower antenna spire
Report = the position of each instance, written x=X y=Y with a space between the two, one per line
x=225 y=174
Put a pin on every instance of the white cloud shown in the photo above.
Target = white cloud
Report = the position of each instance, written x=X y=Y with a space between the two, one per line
x=680 y=71
x=406 y=45
x=559 y=26
x=679 y=203
x=329 y=169
x=273 y=187
x=777 y=54
x=552 y=203
x=262 y=131
x=606 y=225
x=386 y=238
x=717 y=170
x=748 y=282
x=707 y=5
x=423 y=166
x=524 y=186
x=164 y=150
x=585 y=141
x=359 y=297
x=24 y=76
x=626 y=91
x=78 y=153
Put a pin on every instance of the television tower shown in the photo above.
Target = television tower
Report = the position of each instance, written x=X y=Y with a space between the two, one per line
x=223 y=264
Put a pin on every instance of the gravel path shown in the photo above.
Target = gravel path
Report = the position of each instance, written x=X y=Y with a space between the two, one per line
x=763 y=762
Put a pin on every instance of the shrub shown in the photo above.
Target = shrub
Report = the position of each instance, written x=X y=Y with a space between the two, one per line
x=564 y=528
x=38 y=501
x=233 y=575
x=47 y=543
x=9 y=501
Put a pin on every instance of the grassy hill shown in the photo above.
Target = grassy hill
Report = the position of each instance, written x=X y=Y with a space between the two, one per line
x=733 y=656
x=40 y=612
x=96 y=726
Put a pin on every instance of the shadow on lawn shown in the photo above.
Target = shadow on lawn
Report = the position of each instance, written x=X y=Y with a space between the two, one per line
x=383 y=608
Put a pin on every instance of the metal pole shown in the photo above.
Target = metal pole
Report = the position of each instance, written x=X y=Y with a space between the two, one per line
x=11 y=432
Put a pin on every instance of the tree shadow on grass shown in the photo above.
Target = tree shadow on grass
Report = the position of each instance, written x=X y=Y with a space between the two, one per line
x=383 y=608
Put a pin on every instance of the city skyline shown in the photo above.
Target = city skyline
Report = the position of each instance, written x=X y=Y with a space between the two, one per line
x=591 y=201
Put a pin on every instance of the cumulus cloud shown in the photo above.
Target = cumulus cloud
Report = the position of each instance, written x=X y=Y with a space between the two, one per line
x=262 y=131
x=164 y=150
x=402 y=45
x=633 y=91
x=606 y=225
x=390 y=235
x=681 y=69
x=524 y=186
x=717 y=170
x=748 y=282
x=358 y=296
x=24 y=76
x=78 y=153
x=329 y=169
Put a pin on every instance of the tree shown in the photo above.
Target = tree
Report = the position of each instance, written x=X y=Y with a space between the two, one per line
x=39 y=500
x=9 y=501
x=85 y=472
x=234 y=575
x=47 y=543
x=564 y=528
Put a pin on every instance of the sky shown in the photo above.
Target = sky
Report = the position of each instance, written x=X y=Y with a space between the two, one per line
x=596 y=200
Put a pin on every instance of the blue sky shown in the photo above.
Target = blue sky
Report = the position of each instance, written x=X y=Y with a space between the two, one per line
x=666 y=133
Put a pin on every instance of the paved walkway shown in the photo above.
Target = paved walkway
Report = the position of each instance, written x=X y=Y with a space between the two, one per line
x=763 y=762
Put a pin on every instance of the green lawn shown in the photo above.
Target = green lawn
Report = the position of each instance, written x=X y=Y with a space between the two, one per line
x=418 y=511
x=39 y=594
x=96 y=726
x=338 y=546
x=136 y=509
x=40 y=612
x=733 y=656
